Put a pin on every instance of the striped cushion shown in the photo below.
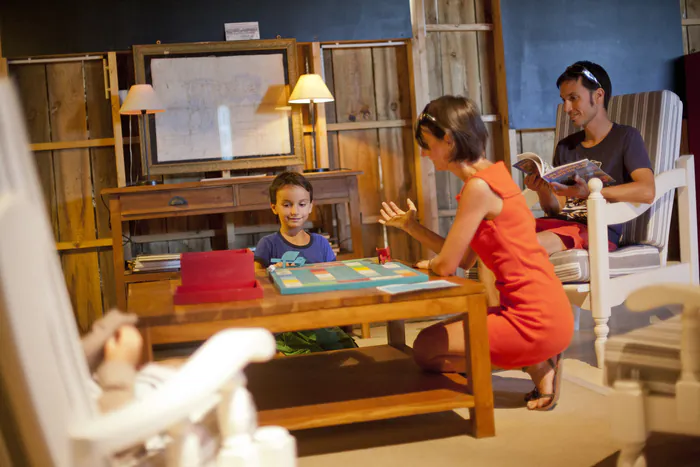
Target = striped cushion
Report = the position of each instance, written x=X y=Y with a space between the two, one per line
x=658 y=117
x=651 y=354
x=573 y=265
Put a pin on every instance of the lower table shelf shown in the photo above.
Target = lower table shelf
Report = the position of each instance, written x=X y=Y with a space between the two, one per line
x=349 y=386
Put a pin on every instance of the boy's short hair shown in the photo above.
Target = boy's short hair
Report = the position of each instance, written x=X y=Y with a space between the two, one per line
x=580 y=69
x=290 y=178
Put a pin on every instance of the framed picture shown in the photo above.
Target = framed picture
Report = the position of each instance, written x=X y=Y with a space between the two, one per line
x=225 y=105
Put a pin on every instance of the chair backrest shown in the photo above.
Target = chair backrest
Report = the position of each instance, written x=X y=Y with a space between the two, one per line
x=43 y=368
x=658 y=117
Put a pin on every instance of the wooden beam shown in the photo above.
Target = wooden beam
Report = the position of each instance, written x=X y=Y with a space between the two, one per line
x=84 y=244
x=503 y=141
x=116 y=118
x=81 y=144
x=3 y=63
x=447 y=213
x=458 y=27
x=372 y=125
x=418 y=74
x=691 y=22
x=321 y=130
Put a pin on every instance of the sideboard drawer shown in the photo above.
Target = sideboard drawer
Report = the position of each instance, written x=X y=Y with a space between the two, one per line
x=169 y=201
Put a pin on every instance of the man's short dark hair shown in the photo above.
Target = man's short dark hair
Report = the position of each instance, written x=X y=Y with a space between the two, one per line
x=289 y=178
x=574 y=72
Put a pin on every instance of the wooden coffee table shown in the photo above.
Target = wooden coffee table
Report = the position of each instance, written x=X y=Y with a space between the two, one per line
x=344 y=386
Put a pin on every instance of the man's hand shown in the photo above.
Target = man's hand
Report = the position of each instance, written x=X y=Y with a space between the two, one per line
x=535 y=183
x=393 y=216
x=579 y=190
x=124 y=346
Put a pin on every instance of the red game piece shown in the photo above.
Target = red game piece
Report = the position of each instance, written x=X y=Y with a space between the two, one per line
x=384 y=255
x=217 y=276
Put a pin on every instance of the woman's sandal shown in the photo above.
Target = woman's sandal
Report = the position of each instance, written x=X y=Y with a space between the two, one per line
x=535 y=393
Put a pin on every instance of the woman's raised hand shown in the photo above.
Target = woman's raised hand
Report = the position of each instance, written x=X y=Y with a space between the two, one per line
x=393 y=216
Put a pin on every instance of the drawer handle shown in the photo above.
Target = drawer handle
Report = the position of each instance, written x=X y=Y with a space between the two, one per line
x=177 y=201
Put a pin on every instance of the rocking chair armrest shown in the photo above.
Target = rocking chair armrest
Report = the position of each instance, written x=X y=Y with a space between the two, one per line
x=531 y=198
x=620 y=212
x=195 y=385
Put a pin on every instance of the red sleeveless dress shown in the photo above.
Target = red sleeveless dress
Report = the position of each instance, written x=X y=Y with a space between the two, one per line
x=535 y=321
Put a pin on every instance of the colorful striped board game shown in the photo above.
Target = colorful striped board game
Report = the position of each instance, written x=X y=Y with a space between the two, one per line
x=342 y=275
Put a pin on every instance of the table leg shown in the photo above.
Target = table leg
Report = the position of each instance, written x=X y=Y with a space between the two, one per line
x=147 y=351
x=115 y=216
x=396 y=333
x=479 y=366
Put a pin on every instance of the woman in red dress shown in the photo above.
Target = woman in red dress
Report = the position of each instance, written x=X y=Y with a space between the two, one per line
x=534 y=323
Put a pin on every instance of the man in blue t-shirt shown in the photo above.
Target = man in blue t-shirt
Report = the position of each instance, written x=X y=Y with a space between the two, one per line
x=585 y=89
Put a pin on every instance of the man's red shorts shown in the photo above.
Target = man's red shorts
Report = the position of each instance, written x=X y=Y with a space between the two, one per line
x=574 y=235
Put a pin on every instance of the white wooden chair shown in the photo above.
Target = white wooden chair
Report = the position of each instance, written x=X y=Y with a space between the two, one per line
x=49 y=418
x=598 y=280
x=655 y=372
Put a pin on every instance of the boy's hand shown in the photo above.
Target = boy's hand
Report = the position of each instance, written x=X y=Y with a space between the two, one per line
x=579 y=190
x=393 y=216
x=124 y=346
x=536 y=183
x=422 y=264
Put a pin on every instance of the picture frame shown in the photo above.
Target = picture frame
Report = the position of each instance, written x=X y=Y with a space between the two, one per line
x=225 y=105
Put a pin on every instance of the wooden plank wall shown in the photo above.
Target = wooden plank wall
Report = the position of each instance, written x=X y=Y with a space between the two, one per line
x=66 y=102
x=460 y=63
x=690 y=17
x=371 y=87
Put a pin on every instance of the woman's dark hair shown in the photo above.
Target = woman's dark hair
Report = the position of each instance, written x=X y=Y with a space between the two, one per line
x=289 y=178
x=460 y=117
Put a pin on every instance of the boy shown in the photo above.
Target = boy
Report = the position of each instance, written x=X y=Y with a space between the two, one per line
x=291 y=199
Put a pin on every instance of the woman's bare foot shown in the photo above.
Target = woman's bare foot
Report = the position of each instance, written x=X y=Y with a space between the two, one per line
x=542 y=375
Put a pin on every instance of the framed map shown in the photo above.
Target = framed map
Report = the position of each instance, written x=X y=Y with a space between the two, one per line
x=225 y=105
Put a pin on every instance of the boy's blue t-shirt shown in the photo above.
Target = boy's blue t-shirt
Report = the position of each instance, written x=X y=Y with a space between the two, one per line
x=318 y=250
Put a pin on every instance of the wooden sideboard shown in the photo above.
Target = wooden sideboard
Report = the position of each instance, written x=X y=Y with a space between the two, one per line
x=216 y=197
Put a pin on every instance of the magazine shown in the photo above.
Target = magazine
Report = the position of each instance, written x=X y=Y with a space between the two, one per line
x=530 y=163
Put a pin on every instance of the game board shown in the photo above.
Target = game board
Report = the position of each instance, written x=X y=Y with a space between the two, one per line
x=342 y=275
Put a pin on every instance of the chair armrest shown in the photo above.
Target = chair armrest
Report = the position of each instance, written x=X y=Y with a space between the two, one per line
x=198 y=381
x=531 y=198
x=688 y=386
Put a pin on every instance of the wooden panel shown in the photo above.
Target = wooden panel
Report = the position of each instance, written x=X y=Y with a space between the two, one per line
x=352 y=73
x=487 y=65
x=391 y=85
x=459 y=51
x=31 y=82
x=159 y=202
x=540 y=142
x=76 y=218
x=433 y=56
x=330 y=82
x=359 y=151
x=104 y=174
x=692 y=11
x=355 y=101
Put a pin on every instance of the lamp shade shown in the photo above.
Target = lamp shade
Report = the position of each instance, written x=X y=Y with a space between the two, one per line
x=141 y=97
x=310 y=88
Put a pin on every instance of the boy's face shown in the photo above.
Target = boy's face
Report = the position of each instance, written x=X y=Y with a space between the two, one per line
x=293 y=206
x=580 y=104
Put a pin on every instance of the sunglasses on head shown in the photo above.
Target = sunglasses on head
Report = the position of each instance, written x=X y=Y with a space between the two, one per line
x=424 y=118
x=582 y=70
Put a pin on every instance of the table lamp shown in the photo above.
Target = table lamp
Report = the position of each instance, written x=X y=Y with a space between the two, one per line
x=310 y=89
x=142 y=100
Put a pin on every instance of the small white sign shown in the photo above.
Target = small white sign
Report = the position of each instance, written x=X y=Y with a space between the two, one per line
x=242 y=31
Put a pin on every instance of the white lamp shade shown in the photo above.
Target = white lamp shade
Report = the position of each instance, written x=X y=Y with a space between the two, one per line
x=141 y=97
x=310 y=88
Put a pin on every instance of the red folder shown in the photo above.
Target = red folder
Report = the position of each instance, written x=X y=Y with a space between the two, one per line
x=217 y=276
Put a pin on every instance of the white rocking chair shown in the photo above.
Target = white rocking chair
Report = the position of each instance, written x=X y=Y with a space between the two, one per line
x=49 y=418
x=655 y=372
x=598 y=280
